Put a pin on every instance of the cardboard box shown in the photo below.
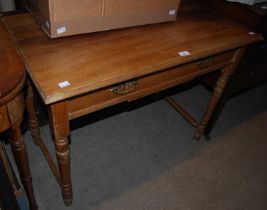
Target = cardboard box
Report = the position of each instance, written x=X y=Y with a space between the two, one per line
x=68 y=17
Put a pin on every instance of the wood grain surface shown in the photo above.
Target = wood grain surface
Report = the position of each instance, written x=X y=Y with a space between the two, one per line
x=93 y=61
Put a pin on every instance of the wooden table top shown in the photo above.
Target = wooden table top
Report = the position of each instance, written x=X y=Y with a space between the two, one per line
x=11 y=66
x=92 y=61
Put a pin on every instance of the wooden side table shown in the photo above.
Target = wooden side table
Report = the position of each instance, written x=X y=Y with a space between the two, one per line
x=12 y=82
x=100 y=70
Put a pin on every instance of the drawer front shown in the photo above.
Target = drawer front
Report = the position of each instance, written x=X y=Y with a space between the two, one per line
x=140 y=87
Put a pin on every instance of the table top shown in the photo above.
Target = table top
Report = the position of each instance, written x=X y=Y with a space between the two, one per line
x=89 y=62
x=11 y=66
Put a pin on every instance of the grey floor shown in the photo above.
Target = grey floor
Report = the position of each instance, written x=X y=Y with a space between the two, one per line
x=137 y=159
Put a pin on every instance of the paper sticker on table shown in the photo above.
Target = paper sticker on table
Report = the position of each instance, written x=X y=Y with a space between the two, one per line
x=172 y=12
x=184 y=53
x=64 y=84
x=251 y=33
x=61 y=30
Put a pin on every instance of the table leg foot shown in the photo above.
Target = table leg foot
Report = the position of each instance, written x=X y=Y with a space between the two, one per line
x=20 y=154
x=196 y=137
x=63 y=159
x=68 y=202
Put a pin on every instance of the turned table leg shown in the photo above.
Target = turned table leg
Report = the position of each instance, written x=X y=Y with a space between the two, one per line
x=20 y=154
x=59 y=122
x=218 y=90
x=33 y=120
x=217 y=93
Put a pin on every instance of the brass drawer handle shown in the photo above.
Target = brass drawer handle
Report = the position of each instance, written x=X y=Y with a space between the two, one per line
x=205 y=62
x=125 y=88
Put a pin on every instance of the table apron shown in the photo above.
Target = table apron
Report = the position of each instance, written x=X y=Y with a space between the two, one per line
x=141 y=87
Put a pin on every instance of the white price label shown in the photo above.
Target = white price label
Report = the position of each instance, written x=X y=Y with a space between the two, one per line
x=64 y=84
x=184 y=53
x=61 y=30
x=251 y=33
x=172 y=12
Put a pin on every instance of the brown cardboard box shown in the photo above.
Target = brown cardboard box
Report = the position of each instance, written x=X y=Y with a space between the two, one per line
x=68 y=17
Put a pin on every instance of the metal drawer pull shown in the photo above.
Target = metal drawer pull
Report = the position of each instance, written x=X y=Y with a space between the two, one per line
x=205 y=62
x=125 y=88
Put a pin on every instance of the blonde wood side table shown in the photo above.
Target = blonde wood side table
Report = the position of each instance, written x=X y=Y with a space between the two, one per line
x=82 y=74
